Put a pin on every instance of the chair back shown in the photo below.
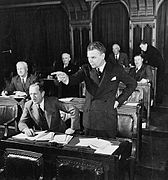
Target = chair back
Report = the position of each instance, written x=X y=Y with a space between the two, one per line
x=9 y=112
x=21 y=164
x=129 y=127
x=8 y=109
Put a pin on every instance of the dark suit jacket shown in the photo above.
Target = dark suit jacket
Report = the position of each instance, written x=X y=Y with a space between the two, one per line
x=123 y=59
x=30 y=116
x=144 y=72
x=153 y=57
x=99 y=112
x=16 y=84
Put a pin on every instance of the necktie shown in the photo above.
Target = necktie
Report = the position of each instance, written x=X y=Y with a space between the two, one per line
x=116 y=57
x=43 y=121
x=99 y=73
x=23 y=83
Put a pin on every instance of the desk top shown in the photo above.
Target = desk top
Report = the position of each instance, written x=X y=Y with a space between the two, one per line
x=69 y=149
x=7 y=101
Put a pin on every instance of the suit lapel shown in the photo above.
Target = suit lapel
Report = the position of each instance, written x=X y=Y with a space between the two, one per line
x=48 y=112
x=105 y=78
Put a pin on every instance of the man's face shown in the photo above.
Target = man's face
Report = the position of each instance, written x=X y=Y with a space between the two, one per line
x=115 y=50
x=143 y=47
x=95 y=58
x=21 y=70
x=36 y=95
x=138 y=61
x=65 y=59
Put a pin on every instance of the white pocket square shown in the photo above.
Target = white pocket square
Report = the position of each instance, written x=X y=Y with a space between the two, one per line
x=114 y=78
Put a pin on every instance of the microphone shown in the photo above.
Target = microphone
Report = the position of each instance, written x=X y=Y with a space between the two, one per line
x=7 y=51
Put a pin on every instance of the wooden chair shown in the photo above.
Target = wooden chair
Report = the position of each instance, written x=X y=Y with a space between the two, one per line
x=9 y=114
x=21 y=164
x=129 y=130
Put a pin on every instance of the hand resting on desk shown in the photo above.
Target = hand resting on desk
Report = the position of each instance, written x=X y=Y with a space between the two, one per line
x=69 y=131
x=29 y=132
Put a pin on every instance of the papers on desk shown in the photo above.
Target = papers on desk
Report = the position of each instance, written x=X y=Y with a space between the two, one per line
x=45 y=136
x=39 y=136
x=17 y=97
x=100 y=145
x=62 y=138
x=108 y=150
x=66 y=99
x=131 y=104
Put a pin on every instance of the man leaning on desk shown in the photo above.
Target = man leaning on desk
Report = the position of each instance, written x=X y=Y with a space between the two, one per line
x=20 y=83
x=99 y=112
x=43 y=113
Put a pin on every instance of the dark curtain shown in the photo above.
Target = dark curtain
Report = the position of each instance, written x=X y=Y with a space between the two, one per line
x=35 y=34
x=162 y=32
x=111 y=25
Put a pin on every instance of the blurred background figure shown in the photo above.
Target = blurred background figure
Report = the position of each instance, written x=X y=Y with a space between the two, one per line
x=69 y=68
x=153 y=57
x=119 y=57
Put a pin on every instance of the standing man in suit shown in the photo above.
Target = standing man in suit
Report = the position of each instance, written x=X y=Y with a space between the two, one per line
x=153 y=57
x=43 y=113
x=102 y=80
x=119 y=57
x=20 y=83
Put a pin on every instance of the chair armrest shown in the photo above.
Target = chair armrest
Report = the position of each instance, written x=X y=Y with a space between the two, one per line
x=9 y=122
x=6 y=124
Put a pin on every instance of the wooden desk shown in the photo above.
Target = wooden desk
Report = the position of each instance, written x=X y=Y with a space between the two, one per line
x=110 y=163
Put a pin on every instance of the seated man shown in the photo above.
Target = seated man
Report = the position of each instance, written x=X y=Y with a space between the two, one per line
x=20 y=83
x=43 y=113
x=142 y=73
x=118 y=57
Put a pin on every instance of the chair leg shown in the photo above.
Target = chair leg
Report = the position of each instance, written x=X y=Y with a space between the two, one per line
x=132 y=168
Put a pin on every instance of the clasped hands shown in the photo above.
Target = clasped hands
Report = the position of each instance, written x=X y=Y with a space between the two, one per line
x=61 y=77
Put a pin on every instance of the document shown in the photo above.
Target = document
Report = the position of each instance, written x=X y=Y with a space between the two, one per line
x=94 y=143
x=62 y=138
x=39 y=136
x=108 y=150
x=101 y=146
x=131 y=104
x=66 y=99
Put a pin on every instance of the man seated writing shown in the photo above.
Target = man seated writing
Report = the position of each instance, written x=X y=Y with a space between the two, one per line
x=43 y=113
